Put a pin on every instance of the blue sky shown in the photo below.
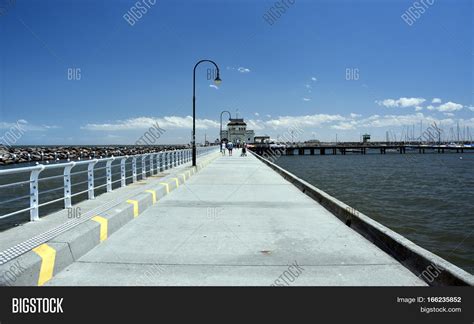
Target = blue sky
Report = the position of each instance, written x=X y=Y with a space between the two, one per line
x=345 y=67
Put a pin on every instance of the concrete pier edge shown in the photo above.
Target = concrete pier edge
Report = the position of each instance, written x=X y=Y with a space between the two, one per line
x=432 y=269
x=38 y=266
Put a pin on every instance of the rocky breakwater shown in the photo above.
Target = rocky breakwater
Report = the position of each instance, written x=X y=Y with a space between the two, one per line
x=48 y=153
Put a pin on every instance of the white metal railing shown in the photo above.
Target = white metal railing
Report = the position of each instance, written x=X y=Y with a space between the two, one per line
x=157 y=162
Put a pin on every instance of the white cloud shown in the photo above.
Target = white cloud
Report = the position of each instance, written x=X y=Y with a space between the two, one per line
x=314 y=79
x=448 y=114
x=436 y=100
x=142 y=123
x=430 y=107
x=111 y=136
x=409 y=102
x=345 y=125
x=243 y=70
x=5 y=125
x=255 y=124
x=418 y=108
x=402 y=102
x=257 y=114
x=44 y=127
x=400 y=120
x=308 y=86
x=25 y=125
x=471 y=108
x=387 y=103
x=213 y=86
x=390 y=120
x=449 y=106
x=240 y=69
x=339 y=122
x=306 y=99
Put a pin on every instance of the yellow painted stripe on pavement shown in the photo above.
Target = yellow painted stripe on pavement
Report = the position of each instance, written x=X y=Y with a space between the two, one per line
x=48 y=255
x=177 y=182
x=153 y=195
x=104 y=226
x=135 y=206
x=167 y=186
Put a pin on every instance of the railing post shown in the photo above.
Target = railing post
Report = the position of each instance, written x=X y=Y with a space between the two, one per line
x=166 y=161
x=123 y=174
x=152 y=156
x=90 y=178
x=160 y=158
x=134 y=169
x=34 y=194
x=67 y=185
x=108 y=171
x=143 y=167
x=175 y=156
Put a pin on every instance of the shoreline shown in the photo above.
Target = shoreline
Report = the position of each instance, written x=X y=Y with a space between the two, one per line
x=25 y=154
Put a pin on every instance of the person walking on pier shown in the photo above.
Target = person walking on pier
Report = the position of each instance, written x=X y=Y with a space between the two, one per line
x=230 y=146
x=223 y=147
x=244 y=149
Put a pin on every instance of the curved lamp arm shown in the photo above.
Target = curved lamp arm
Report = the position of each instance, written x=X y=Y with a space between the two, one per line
x=216 y=80
x=230 y=117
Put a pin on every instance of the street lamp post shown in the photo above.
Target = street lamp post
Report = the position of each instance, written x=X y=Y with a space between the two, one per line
x=217 y=80
x=220 y=134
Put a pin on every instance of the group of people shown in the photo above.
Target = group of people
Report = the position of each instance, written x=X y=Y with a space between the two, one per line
x=230 y=146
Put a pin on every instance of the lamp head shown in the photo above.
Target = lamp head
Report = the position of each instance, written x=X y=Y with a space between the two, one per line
x=217 y=80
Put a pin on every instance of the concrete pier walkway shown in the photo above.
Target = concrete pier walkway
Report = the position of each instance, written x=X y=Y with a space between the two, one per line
x=236 y=222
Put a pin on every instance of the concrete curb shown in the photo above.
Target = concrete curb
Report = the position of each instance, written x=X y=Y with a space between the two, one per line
x=434 y=270
x=38 y=266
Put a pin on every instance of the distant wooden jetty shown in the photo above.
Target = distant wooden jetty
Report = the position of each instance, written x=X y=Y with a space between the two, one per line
x=359 y=148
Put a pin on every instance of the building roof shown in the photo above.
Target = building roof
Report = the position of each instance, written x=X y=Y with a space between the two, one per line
x=236 y=121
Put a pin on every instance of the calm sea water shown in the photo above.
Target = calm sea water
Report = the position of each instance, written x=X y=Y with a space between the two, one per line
x=428 y=198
